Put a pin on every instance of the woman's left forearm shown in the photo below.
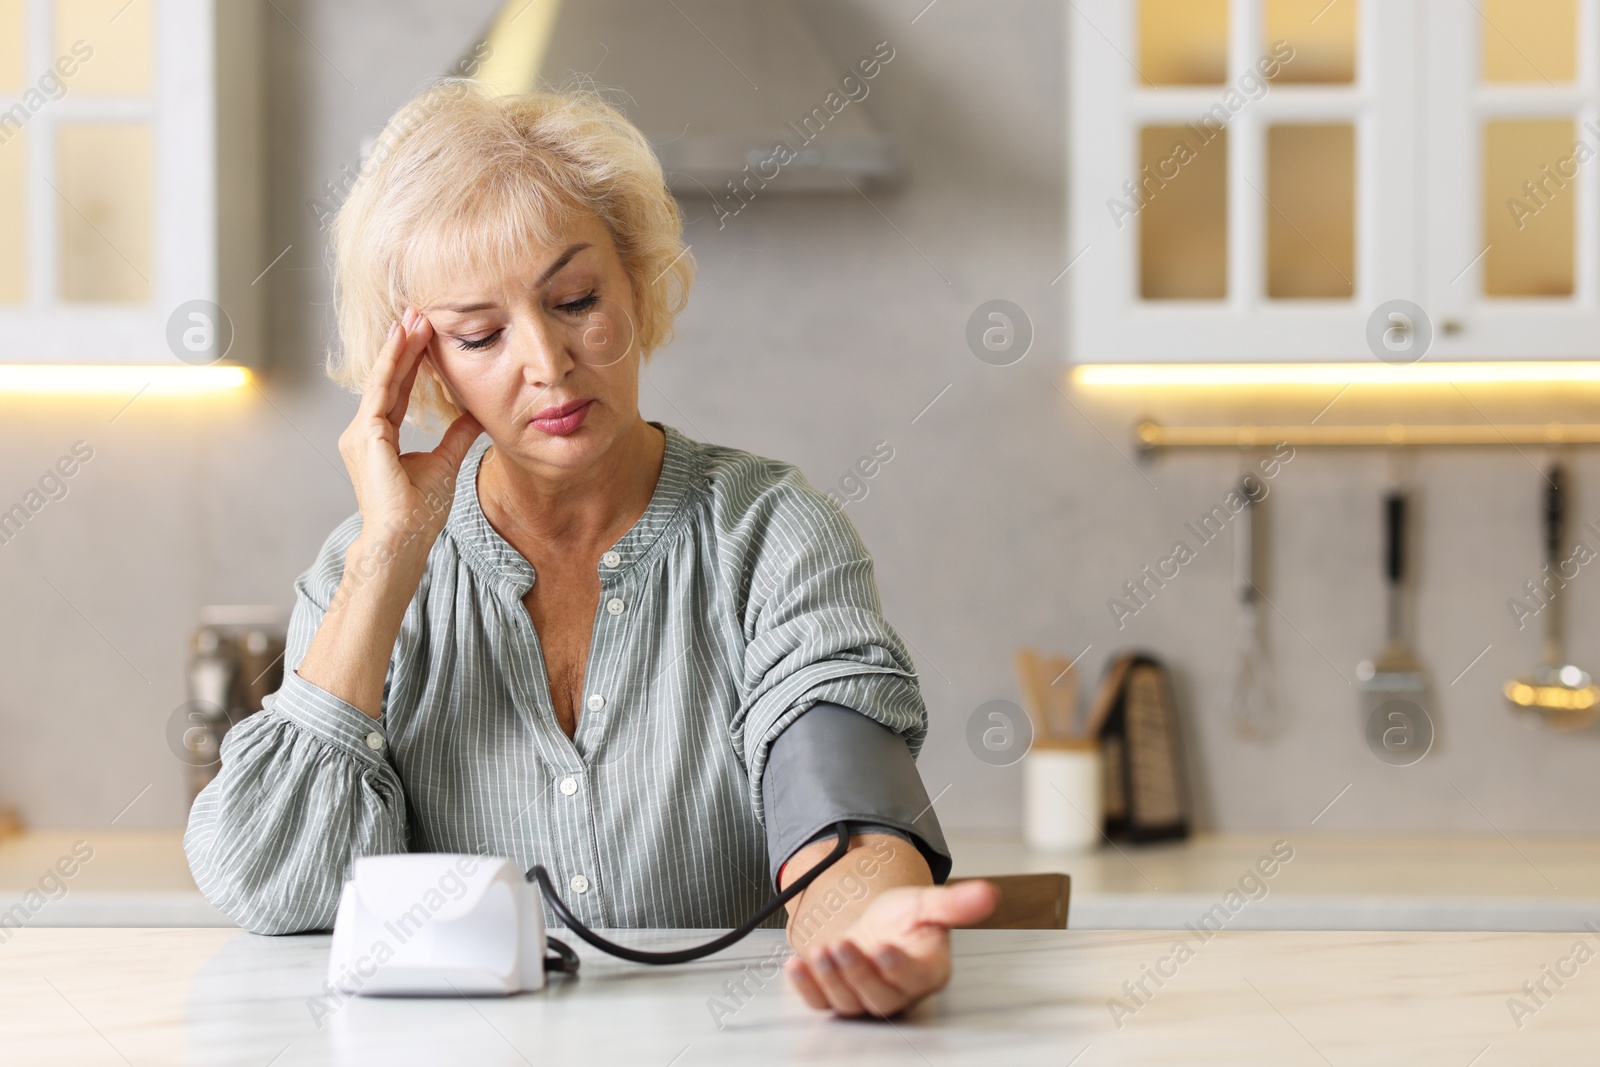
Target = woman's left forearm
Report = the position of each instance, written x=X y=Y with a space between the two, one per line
x=828 y=907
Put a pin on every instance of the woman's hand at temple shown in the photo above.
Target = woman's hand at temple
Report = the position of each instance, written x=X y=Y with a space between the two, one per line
x=404 y=501
x=404 y=498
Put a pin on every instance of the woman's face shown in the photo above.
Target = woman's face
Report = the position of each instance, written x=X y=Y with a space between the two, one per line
x=545 y=358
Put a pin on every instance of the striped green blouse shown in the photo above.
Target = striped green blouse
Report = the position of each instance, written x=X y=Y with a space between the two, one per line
x=740 y=598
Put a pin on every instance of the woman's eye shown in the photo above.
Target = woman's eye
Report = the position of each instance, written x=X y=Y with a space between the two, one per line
x=582 y=304
x=473 y=344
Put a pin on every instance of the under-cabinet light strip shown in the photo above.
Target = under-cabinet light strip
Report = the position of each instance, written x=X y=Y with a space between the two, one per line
x=1151 y=436
x=79 y=380
x=1422 y=373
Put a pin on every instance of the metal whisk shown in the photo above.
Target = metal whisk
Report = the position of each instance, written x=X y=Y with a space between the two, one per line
x=1254 y=699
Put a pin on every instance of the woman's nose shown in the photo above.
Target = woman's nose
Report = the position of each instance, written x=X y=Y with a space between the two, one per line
x=541 y=351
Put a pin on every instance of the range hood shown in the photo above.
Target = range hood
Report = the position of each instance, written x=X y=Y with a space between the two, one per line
x=716 y=85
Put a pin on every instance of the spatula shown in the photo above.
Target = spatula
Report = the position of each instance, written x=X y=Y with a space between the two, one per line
x=1395 y=680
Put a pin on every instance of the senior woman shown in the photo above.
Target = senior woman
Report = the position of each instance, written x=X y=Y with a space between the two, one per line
x=567 y=634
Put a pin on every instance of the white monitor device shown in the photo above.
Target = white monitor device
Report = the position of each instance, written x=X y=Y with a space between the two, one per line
x=437 y=924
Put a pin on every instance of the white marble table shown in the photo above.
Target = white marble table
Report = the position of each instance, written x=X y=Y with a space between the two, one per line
x=84 y=997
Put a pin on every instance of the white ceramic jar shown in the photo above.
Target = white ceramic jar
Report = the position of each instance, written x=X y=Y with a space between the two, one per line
x=1062 y=799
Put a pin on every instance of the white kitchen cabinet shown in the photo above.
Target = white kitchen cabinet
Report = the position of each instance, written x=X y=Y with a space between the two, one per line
x=1250 y=180
x=130 y=181
x=1514 y=102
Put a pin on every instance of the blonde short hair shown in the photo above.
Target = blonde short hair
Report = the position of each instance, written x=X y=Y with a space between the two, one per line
x=462 y=178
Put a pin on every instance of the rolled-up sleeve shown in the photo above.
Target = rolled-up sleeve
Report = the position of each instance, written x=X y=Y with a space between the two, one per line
x=814 y=627
x=305 y=788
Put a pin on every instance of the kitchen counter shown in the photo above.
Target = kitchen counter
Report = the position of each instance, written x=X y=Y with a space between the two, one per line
x=131 y=878
x=87 y=997
x=1334 y=881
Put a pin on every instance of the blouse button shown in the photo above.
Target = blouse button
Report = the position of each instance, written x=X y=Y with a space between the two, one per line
x=616 y=606
x=569 y=786
x=579 y=884
x=595 y=702
x=374 y=740
x=611 y=559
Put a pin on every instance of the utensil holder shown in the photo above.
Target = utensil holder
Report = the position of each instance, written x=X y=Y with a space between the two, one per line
x=1062 y=807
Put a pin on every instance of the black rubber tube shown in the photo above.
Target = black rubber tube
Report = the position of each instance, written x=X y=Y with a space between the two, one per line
x=537 y=873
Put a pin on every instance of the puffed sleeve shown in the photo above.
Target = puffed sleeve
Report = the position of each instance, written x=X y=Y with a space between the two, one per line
x=305 y=787
x=814 y=627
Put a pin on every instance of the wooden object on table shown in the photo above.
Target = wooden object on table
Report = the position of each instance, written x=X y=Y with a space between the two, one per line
x=10 y=823
x=1027 y=901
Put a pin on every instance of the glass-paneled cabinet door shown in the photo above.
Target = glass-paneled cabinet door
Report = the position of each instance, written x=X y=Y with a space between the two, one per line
x=114 y=170
x=1513 y=143
x=1240 y=178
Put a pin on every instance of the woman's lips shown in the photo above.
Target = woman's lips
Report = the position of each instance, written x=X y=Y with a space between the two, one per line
x=563 y=424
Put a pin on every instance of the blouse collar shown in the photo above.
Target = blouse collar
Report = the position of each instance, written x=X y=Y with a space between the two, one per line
x=493 y=557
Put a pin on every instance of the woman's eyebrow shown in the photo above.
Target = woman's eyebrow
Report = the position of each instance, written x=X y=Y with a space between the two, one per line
x=565 y=258
x=562 y=262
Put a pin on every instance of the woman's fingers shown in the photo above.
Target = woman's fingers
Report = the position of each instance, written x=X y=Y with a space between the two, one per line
x=957 y=905
x=826 y=972
x=904 y=972
x=800 y=975
x=872 y=991
x=852 y=983
x=407 y=366
x=374 y=395
x=457 y=439
x=388 y=388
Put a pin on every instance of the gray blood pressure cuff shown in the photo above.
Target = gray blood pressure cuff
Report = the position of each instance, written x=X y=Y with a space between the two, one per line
x=834 y=763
